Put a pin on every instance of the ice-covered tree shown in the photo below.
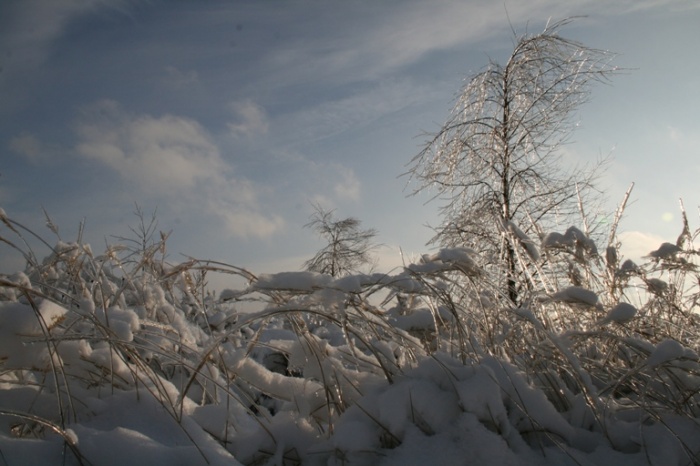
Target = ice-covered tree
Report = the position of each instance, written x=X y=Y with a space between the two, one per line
x=496 y=164
x=348 y=247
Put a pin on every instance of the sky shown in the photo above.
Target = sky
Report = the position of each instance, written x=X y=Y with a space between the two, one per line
x=230 y=119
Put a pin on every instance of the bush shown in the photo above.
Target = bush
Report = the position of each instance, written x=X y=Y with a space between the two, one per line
x=302 y=367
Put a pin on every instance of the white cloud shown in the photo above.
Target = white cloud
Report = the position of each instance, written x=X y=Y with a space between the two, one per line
x=332 y=182
x=28 y=146
x=348 y=187
x=350 y=49
x=359 y=110
x=33 y=24
x=35 y=150
x=175 y=159
x=251 y=119
x=349 y=45
x=178 y=78
x=247 y=223
x=164 y=154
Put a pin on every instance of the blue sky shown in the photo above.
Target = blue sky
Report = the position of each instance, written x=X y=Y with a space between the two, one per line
x=232 y=117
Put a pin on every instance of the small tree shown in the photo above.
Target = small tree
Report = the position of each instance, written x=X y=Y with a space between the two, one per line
x=348 y=247
x=495 y=162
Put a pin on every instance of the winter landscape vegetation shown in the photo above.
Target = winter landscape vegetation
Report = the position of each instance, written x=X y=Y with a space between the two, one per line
x=524 y=336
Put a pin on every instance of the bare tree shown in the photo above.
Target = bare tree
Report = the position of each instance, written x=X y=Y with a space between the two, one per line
x=496 y=161
x=348 y=246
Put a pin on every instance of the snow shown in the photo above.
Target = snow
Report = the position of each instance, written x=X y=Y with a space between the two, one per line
x=666 y=351
x=579 y=238
x=461 y=258
x=665 y=251
x=375 y=369
x=628 y=267
x=620 y=313
x=300 y=281
x=421 y=319
x=21 y=322
x=656 y=285
x=572 y=239
x=556 y=240
x=524 y=240
x=575 y=295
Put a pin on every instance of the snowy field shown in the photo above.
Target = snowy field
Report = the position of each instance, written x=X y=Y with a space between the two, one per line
x=119 y=357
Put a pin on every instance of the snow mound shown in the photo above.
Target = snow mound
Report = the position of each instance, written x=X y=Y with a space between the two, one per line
x=575 y=295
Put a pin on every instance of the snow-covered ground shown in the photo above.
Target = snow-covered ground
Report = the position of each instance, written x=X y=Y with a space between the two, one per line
x=121 y=358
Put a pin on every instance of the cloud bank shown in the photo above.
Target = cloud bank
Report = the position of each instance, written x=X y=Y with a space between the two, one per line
x=173 y=159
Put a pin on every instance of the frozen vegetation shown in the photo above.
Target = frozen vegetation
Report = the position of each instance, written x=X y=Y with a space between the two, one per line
x=121 y=357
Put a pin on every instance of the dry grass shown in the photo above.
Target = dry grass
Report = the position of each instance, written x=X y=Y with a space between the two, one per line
x=136 y=322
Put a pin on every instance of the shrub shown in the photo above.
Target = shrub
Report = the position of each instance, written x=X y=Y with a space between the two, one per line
x=303 y=367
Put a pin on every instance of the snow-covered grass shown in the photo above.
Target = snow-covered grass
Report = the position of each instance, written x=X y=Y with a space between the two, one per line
x=124 y=358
